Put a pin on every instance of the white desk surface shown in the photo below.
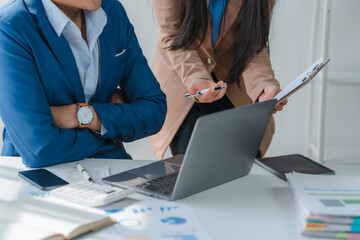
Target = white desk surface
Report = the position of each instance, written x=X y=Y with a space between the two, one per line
x=257 y=206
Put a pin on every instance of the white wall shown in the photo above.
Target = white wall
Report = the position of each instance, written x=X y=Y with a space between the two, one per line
x=290 y=44
x=289 y=50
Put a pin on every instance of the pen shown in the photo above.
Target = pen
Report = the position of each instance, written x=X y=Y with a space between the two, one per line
x=201 y=92
x=82 y=170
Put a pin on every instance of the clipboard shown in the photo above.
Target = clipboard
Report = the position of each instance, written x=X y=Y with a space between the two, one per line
x=301 y=80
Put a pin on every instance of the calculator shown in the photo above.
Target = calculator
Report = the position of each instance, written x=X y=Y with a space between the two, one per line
x=90 y=194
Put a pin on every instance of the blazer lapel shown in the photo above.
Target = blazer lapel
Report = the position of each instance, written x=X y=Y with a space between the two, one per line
x=106 y=58
x=231 y=13
x=59 y=47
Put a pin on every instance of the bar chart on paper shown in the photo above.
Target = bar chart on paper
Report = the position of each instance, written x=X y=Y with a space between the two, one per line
x=346 y=199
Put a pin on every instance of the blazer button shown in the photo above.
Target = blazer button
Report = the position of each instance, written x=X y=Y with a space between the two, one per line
x=210 y=61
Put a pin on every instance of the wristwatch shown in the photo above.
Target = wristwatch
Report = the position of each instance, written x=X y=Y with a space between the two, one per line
x=84 y=115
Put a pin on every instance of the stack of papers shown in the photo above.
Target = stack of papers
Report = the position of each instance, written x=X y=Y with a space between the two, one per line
x=327 y=206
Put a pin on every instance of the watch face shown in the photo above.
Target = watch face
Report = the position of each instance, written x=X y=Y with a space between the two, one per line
x=85 y=115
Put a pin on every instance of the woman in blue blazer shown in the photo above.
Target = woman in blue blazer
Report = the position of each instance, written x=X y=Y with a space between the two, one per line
x=61 y=62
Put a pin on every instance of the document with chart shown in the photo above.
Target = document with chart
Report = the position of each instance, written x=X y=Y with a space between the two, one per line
x=155 y=220
x=327 y=195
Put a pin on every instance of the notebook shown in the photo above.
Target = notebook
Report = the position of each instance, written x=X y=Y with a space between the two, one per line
x=36 y=218
x=280 y=165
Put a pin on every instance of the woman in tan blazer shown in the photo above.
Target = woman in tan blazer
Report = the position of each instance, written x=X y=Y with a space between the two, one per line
x=200 y=43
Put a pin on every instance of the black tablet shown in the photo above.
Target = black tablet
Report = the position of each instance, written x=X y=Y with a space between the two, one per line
x=292 y=163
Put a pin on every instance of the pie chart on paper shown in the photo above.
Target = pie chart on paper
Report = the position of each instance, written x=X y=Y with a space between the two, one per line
x=173 y=220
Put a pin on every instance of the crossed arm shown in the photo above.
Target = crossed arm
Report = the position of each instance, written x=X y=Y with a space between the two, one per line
x=25 y=99
x=65 y=116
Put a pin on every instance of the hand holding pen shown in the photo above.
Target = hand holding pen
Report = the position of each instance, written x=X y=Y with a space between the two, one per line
x=84 y=173
x=201 y=92
x=206 y=91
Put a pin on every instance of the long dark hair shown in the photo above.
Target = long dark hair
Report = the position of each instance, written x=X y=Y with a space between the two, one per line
x=252 y=30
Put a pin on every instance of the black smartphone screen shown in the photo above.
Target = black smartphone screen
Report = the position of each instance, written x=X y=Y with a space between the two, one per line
x=43 y=179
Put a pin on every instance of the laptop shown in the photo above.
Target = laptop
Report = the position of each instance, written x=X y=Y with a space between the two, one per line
x=222 y=147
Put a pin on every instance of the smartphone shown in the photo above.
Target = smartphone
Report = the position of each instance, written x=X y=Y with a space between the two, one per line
x=42 y=179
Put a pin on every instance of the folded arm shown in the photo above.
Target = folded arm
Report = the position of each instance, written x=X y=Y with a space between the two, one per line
x=25 y=110
x=144 y=114
x=26 y=113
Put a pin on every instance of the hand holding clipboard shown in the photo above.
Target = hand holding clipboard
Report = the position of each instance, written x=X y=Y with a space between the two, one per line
x=301 y=80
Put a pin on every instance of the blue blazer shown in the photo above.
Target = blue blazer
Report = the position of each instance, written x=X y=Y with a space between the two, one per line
x=38 y=70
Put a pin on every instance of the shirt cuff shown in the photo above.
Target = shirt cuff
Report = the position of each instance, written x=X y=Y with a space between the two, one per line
x=103 y=130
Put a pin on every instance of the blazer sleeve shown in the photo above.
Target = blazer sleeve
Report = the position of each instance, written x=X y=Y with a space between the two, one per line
x=25 y=110
x=258 y=74
x=145 y=113
x=187 y=63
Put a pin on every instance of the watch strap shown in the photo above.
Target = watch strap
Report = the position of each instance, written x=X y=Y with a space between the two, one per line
x=83 y=125
x=82 y=105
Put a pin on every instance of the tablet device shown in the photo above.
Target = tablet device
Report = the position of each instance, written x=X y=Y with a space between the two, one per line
x=280 y=165
x=301 y=80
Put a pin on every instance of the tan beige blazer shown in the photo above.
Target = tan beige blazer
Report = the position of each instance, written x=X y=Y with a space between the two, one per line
x=176 y=69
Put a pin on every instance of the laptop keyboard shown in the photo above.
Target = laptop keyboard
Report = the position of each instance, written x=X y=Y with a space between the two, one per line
x=163 y=185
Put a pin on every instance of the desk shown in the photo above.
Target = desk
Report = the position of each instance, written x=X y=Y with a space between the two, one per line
x=257 y=206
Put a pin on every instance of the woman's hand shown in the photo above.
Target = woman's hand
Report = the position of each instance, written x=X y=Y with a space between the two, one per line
x=209 y=96
x=269 y=93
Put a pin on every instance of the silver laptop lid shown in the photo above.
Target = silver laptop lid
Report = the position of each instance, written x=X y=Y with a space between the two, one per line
x=223 y=147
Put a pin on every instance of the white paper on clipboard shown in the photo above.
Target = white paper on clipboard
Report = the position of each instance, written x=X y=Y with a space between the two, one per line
x=301 y=80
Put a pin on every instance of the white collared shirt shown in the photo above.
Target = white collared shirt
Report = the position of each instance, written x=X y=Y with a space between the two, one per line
x=86 y=55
